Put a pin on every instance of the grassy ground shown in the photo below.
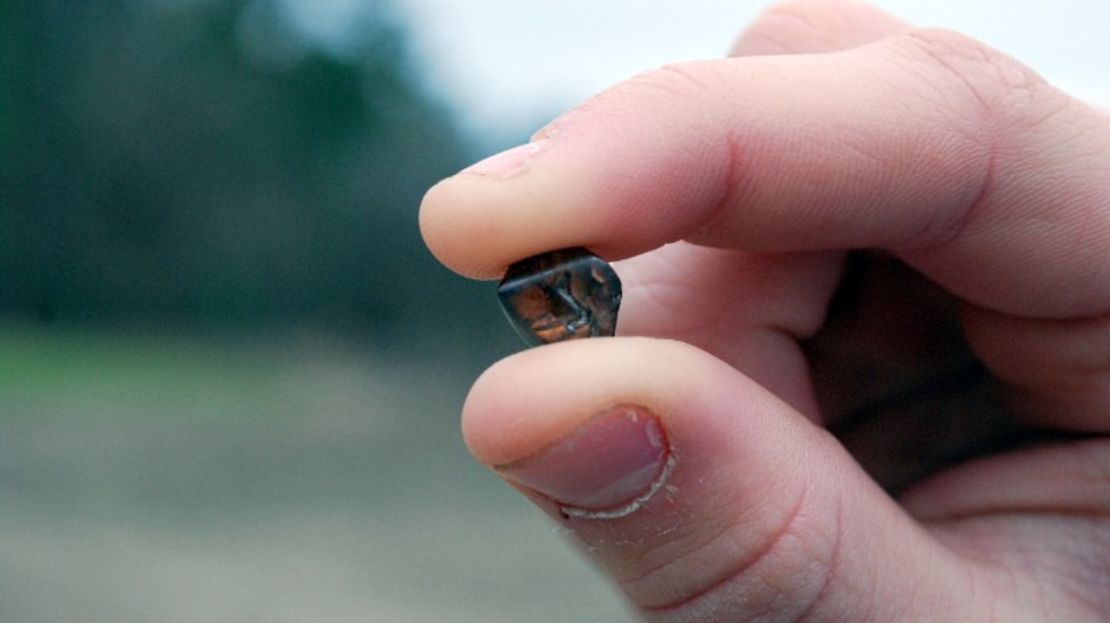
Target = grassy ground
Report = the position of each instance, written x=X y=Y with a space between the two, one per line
x=288 y=479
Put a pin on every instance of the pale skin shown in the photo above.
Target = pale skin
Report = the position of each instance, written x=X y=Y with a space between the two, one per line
x=732 y=191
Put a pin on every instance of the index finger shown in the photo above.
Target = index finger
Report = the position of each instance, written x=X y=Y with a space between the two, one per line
x=955 y=158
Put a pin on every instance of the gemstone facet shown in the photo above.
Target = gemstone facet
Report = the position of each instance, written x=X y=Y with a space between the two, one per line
x=561 y=295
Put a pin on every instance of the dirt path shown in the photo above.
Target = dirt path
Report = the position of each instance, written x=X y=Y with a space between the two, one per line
x=319 y=488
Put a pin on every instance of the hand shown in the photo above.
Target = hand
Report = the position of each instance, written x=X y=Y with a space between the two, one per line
x=695 y=462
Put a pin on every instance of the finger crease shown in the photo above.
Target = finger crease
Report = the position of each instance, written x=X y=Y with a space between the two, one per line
x=968 y=213
x=733 y=157
x=834 y=560
x=987 y=137
x=744 y=567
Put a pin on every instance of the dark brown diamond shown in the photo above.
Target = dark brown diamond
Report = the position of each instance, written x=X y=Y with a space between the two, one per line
x=561 y=295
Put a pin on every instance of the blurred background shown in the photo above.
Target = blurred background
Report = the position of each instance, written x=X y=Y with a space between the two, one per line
x=229 y=372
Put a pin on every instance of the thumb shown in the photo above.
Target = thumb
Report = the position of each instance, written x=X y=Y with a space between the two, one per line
x=703 y=496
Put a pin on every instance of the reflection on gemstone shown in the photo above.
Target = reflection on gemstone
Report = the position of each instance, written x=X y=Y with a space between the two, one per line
x=561 y=295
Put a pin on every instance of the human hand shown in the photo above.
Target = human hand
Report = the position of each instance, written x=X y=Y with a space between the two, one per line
x=695 y=463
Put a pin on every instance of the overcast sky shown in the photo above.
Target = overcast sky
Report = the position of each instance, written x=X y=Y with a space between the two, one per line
x=506 y=65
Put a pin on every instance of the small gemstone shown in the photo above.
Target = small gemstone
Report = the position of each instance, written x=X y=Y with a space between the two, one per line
x=561 y=295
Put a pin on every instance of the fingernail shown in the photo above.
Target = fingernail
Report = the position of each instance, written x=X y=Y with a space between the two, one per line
x=507 y=163
x=614 y=461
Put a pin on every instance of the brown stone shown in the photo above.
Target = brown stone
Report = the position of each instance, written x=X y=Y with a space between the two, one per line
x=561 y=295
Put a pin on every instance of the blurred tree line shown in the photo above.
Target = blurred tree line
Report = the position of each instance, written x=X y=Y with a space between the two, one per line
x=193 y=162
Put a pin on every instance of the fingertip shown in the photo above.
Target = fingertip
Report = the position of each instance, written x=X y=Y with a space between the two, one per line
x=478 y=224
x=451 y=234
x=528 y=400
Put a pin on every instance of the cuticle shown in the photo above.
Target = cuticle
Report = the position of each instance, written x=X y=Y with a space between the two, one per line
x=630 y=507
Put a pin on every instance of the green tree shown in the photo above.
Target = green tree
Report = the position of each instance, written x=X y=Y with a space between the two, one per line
x=155 y=169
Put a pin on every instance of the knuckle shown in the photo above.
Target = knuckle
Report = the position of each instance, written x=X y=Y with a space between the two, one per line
x=789 y=20
x=785 y=574
x=815 y=15
x=1000 y=86
x=809 y=16
x=799 y=8
x=807 y=26
x=797 y=26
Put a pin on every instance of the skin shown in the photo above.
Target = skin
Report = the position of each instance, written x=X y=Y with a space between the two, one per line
x=867 y=294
